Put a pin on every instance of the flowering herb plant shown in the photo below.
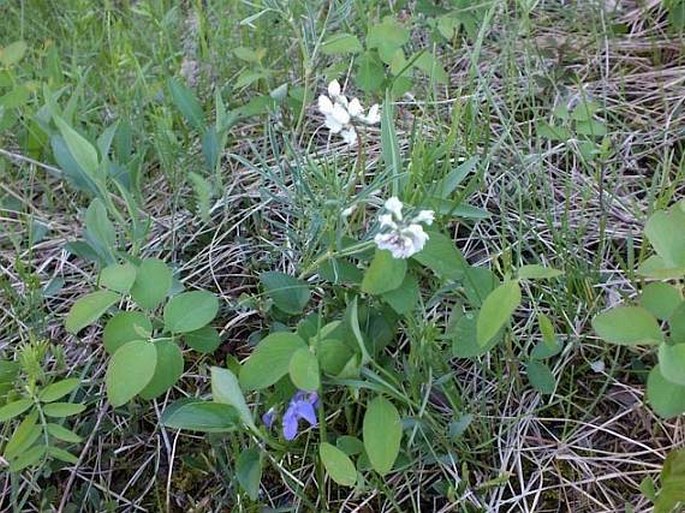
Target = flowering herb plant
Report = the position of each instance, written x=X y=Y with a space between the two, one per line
x=316 y=357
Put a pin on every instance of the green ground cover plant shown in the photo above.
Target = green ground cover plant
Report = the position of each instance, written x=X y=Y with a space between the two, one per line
x=342 y=256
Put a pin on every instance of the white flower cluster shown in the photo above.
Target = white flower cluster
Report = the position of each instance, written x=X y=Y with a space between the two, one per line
x=342 y=115
x=403 y=238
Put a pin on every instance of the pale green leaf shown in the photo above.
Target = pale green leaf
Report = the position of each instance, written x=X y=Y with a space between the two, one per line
x=152 y=284
x=270 y=360
x=190 y=311
x=496 y=310
x=226 y=390
x=168 y=369
x=628 y=325
x=89 y=308
x=196 y=415
x=337 y=464
x=130 y=370
x=304 y=370
x=385 y=273
x=382 y=433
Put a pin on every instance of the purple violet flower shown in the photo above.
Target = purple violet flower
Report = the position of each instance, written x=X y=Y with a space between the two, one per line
x=269 y=417
x=301 y=406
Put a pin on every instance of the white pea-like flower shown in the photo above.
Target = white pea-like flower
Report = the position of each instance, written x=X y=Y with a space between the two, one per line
x=394 y=206
x=342 y=115
x=425 y=216
x=402 y=238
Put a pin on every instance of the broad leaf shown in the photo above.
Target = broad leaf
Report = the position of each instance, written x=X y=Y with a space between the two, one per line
x=655 y=267
x=676 y=323
x=441 y=256
x=59 y=389
x=660 y=299
x=496 y=311
x=125 y=327
x=429 y=64
x=152 y=284
x=404 y=298
x=537 y=272
x=664 y=229
x=118 y=277
x=463 y=335
x=24 y=436
x=100 y=231
x=14 y=409
x=62 y=433
x=304 y=370
x=226 y=390
x=382 y=430
x=667 y=399
x=13 y=53
x=337 y=464
x=672 y=362
x=384 y=274
x=168 y=369
x=190 y=311
x=196 y=415
x=186 y=101
x=270 y=360
x=540 y=377
x=28 y=458
x=333 y=355
x=204 y=340
x=289 y=294
x=342 y=43
x=89 y=308
x=628 y=325
x=130 y=370
x=249 y=471
x=63 y=409
x=370 y=73
x=82 y=151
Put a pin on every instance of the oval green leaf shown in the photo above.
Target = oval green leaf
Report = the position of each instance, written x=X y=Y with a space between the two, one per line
x=249 y=471
x=14 y=409
x=672 y=362
x=660 y=299
x=338 y=465
x=153 y=281
x=628 y=325
x=497 y=310
x=204 y=340
x=190 y=311
x=385 y=273
x=667 y=399
x=270 y=360
x=537 y=272
x=304 y=370
x=442 y=257
x=226 y=390
x=382 y=433
x=62 y=433
x=341 y=44
x=197 y=415
x=130 y=370
x=125 y=327
x=168 y=369
x=540 y=377
x=118 y=277
x=89 y=308
x=289 y=294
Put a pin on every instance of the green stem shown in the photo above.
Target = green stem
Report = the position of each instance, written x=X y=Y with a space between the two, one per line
x=357 y=248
